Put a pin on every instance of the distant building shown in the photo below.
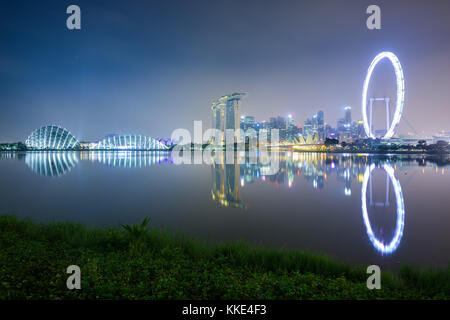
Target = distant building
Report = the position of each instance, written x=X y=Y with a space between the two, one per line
x=264 y=125
x=225 y=112
x=249 y=122
x=129 y=142
x=272 y=123
x=344 y=125
x=281 y=123
x=358 y=131
x=307 y=127
x=443 y=136
x=281 y=126
x=414 y=139
x=320 y=125
x=348 y=115
x=330 y=132
x=291 y=130
x=57 y=138
x=314 y=124
x=51 y=138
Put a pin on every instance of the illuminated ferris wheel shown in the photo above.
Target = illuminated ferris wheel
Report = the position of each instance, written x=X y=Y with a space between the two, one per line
x=400 y=99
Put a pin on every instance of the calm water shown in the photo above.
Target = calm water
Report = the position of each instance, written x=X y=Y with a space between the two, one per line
x=361 y=209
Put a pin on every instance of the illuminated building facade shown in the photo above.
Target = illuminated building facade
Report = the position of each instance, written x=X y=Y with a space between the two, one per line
x=130 y=142
x=58 y=138
x=225 y=112
x=348 y=116
x=51 y=138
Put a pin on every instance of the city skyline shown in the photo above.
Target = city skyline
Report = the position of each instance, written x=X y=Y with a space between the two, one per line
x=161 y=71
x=225 y=150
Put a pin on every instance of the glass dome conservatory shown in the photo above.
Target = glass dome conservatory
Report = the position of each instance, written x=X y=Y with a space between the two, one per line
x=51 y=138
x=130 y=142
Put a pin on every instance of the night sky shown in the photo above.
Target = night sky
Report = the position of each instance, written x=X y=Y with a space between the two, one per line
x=149 y=67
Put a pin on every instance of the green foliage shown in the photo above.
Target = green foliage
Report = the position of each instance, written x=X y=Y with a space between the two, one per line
x=137 y=231
x=135 y=262
x=136 y=234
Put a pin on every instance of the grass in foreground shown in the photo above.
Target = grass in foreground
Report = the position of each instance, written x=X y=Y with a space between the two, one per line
x=141 y=263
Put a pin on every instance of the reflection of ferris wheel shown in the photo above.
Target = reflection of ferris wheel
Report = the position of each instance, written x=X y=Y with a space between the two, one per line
x=400 y=99
x=400 y=222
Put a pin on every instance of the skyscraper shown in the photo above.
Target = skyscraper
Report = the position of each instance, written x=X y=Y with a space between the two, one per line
x=348 y=116
x=291 y=130
x=290 y=121
x=249 y=122
x=273 y=123
x=307 y=127
x=281 y=126
x=320 y=125
x=345 y=124
x=281 y=123
x=218 y=111
x=225 y=112
x=315 y=124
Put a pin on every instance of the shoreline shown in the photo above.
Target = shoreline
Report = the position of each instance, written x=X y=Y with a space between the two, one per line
x=282 y=149
x=157 y=264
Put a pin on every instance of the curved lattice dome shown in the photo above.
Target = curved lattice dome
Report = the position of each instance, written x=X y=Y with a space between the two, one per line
x=51 y=138
x=130 y=142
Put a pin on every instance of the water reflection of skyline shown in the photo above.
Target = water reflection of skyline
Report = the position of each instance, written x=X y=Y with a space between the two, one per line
x=316 y=168
x=391 y=246
x=228 y=180
x=54 y=164
x=127 y=159
x=51 y=164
